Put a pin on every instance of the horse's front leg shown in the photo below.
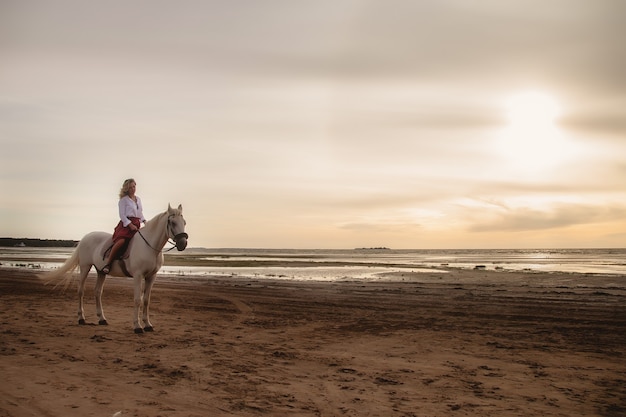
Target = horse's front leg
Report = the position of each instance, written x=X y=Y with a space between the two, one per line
x=98 y=290
x=147 y=326
x=138 y=282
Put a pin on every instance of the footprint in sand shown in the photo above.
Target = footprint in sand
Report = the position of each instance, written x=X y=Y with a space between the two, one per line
x=244 y=309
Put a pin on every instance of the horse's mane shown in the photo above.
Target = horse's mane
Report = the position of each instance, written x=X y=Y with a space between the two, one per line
x=159 y=216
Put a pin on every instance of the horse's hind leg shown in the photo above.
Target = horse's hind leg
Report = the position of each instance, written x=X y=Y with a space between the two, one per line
x=84 y=271
x=98 y=291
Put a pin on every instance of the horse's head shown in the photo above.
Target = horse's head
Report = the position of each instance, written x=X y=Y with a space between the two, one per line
x=176 y=227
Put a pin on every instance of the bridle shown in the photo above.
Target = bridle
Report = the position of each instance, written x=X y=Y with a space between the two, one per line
x=171 y=239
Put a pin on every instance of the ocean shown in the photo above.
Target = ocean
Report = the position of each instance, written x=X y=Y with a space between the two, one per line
x=337 y=265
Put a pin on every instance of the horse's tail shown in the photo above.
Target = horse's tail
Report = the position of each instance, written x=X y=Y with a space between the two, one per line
x=63 y=276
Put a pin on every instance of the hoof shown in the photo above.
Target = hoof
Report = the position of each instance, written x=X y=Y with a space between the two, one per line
x=82 y=322
x=148 y=329
x=138 y=330
x=103 y=323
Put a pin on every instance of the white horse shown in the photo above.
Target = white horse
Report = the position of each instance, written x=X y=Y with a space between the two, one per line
x=144 y=260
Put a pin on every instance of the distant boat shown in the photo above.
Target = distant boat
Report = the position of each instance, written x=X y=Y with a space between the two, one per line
x=20 y=245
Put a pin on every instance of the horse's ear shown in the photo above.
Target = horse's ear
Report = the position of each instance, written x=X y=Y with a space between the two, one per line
x=169 y=208
x=180 y=208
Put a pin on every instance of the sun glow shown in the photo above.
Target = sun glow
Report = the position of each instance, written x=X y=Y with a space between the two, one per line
x=532 y=139
x=532 y=110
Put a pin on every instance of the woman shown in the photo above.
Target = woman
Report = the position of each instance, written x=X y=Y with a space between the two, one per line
x=131 y=217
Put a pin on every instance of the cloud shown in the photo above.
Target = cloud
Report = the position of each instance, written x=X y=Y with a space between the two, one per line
x=510 y=187
x=603 y=123
x=528 y=219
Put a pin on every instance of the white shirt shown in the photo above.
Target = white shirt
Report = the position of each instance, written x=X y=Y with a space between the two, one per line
x=128 y=208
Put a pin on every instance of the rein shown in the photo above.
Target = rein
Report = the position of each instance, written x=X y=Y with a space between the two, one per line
x=171 y=240
x=157 y=250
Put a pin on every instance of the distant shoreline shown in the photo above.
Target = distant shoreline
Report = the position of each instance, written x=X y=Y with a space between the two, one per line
x=9 y=242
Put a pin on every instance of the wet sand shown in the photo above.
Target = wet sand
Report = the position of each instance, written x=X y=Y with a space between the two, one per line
x=466 y=343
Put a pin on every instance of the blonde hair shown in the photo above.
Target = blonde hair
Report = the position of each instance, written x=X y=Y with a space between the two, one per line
x=126 y=187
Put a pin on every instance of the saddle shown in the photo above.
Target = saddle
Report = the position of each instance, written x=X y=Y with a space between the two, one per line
x=125 y=253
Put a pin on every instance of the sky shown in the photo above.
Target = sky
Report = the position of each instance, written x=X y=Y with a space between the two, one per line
x=326 y=124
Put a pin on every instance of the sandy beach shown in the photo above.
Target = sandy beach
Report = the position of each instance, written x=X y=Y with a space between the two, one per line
x=465 y=343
